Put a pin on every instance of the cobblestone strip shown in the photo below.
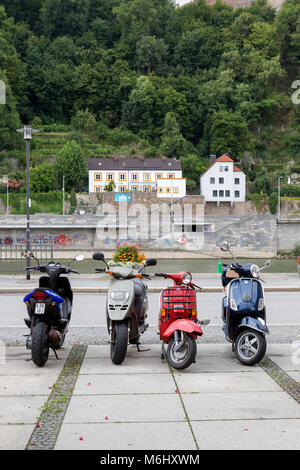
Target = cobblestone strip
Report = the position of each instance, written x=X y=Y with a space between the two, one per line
x=49 y=423
x=284 y=380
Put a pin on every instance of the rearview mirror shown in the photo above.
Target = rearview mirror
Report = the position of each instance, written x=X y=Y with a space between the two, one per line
x=225 y=246
x=98 y=256
x=79 y=258
x=266 y=265
x=151 y=262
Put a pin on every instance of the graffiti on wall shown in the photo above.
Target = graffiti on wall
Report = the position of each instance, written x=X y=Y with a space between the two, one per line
x=58 y=240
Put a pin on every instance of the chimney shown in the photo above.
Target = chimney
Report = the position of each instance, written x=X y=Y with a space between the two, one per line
x=212 y=158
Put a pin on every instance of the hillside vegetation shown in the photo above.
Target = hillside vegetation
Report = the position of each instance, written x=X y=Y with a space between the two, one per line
x=139 y=77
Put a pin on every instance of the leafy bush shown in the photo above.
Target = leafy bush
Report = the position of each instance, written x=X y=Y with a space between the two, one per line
x=273 y=203
x=120 y=136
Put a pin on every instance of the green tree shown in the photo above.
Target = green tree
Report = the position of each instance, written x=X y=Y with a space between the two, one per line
x=192 y=167
x=84 y=121
x=229 y=132
x=43 y=178
x=9 y=117
x=150 y=53
x=70 y=162
x=172 y=141
x=64 y=17
x=138 y=110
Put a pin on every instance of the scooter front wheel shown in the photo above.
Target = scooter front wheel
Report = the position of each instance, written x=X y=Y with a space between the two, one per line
x=184 y=356
x=119 y=341
x=40 y=344
x=250 y=347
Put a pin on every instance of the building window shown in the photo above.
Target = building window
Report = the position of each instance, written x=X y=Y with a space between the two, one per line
x=134 y=188
x=225 y=168
x=227 y=193
x=236 y=194
x=98 y=189
x=168 y=190
x=98 y=177
x=122 y=189
x=175 y=190
x=146 y=189
x=109 y=177
x=158 y=176
x=212 y=180
x=236 y=180
x=221 y=193
x=221 y=180
x=160 y=190
x=215 y=193
x=171 y=175
x=122 y=177
x=134 y=177
x=147 y=177
x=220 y=168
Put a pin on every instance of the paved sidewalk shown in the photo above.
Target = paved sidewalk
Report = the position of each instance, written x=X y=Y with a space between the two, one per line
x=215 y=404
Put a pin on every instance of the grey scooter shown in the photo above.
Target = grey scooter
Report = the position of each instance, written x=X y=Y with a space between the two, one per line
x=127 y=305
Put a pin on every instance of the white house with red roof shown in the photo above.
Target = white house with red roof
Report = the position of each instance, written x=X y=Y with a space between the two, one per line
x=223 y=181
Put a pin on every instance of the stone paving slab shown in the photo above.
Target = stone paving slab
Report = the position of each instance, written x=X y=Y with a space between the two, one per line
x=283 y=434
x=121 y=384
x=14 y=436
x=295 y=376
x=20 y=409
x=27 y=385
x=287 y=363
x=126 y=436
x=132 y=365
x=128 y=408
x=240 y=405
x=225 y=382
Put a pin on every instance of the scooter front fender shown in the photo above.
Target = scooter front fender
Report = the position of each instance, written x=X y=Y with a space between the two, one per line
x=252 y=323
x=188 y=326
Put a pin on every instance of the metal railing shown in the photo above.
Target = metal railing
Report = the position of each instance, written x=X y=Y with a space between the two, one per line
x=13 y=262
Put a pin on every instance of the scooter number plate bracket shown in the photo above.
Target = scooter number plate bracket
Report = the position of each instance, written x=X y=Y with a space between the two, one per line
x=40 y=309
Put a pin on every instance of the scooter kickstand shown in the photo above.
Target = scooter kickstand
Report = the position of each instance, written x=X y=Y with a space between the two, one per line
x=55 y=353
x=141 y=350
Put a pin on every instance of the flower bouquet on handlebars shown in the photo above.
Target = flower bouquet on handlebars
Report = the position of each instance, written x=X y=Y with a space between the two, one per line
x=128 y=256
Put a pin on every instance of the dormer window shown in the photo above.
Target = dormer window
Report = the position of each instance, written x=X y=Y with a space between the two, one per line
x=220 y=168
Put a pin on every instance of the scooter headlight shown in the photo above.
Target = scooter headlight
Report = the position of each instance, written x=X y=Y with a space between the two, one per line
x=187 y=278
x=254 y=270
x=120 y=295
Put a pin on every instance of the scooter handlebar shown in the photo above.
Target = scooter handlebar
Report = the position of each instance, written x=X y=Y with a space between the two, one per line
x=160 y=275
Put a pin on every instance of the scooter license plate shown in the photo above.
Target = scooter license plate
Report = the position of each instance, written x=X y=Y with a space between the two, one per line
x=40 y=309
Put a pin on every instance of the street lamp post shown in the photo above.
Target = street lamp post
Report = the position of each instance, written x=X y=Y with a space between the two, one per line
x=278 y=206
x=27 y=132
x=63 y=189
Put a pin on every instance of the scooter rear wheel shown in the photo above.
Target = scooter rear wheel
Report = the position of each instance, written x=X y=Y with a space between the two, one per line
x=119 y=341
x=250 y=347
x=185 y=356
x=40 y=344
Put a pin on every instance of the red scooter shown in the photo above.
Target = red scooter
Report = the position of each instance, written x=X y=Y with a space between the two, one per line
x=178 y=322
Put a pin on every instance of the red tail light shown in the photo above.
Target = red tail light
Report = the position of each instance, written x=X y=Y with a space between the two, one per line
x=40 y=295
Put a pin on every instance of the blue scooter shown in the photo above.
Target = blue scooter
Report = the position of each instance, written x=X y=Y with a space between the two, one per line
x=244 y=311
x=49 y=309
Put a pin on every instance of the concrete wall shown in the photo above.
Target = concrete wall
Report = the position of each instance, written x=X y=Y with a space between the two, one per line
x=249 y=235
x=288 y=233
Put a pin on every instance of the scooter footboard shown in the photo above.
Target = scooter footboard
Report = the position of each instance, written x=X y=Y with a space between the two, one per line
x=252 y=323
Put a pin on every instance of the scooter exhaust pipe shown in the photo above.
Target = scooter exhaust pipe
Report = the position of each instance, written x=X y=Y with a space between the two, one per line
x=54 y=337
